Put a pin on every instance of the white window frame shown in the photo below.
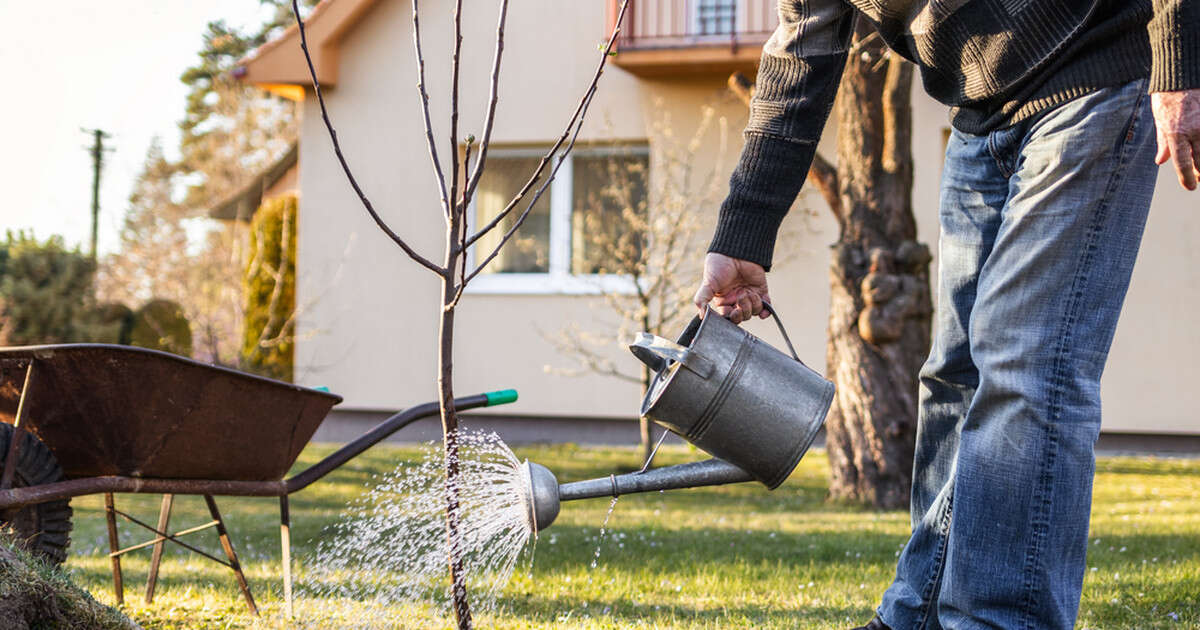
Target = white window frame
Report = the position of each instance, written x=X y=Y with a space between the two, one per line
x=558 y=280
x=696 y=24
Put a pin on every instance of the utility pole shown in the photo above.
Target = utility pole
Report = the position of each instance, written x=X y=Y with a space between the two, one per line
x=97 y=151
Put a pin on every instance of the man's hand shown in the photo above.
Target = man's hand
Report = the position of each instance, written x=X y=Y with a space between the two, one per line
x=1177 y=118
x=736 y=288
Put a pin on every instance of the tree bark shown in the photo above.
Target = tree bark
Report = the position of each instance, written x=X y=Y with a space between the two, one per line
x=454 y=546
x=645 y=428
x=879 y=280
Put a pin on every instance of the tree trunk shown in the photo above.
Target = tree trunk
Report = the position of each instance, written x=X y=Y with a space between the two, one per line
x=645 y=427
x=879 y=279
x=454 y=546
x=646 y=430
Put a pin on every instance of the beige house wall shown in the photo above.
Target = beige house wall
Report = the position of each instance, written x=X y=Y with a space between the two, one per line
x=368 y=320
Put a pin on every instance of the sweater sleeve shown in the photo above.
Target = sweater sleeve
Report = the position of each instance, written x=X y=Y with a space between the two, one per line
x=1175 y=45
x=798 y=76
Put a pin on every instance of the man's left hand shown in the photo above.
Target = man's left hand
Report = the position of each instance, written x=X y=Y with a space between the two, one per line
x=1177 y=118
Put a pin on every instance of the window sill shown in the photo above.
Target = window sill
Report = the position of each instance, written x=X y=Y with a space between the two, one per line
x=549 y=284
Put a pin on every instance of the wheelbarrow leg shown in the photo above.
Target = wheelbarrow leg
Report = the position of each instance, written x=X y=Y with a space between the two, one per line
x=114 y=547
x=228 y=547
x=285 y=542
x=14 y=444
x=164 y=520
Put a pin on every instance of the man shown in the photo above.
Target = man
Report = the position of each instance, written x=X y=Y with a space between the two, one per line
x=1048 y=179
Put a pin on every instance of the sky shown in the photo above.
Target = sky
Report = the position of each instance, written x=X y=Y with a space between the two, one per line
x=74 y=64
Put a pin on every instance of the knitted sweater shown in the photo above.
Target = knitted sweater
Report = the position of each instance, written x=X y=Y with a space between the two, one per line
x=995 y=62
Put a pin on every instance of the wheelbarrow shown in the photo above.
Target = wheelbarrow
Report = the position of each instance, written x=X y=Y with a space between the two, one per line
x=80 y=419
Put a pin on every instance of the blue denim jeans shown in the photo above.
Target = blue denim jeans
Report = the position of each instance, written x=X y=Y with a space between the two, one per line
x=1040 y=227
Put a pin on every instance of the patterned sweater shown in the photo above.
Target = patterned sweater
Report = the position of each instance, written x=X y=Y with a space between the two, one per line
x=995 y=62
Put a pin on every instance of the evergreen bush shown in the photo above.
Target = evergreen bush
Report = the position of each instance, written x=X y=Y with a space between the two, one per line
x=45 y=291
x=269 y=290
x=161 y=325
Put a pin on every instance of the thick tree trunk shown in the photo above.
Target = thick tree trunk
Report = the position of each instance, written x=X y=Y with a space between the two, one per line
x=454 y=546
x=879 y=278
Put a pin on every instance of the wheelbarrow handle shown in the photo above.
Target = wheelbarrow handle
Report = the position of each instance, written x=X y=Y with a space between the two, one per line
x=386 y=428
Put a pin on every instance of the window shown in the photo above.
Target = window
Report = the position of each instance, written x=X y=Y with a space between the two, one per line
x=589 y=217
x=608 y=202
x=528 y=251
x=715 y=17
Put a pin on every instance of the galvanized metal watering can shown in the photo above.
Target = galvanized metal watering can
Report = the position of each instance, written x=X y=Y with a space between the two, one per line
x=755 y=409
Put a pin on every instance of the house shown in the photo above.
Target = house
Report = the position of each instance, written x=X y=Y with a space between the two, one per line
x=279 y=178
x=367 y=320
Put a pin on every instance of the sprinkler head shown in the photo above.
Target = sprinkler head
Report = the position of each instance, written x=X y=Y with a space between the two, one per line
x=541 y=498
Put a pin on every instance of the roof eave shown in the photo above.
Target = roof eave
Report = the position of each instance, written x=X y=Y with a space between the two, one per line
x=280 y=62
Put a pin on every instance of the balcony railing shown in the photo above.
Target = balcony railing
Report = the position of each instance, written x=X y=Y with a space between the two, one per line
x=664 y=24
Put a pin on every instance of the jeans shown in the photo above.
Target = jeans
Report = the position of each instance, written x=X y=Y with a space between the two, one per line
x=1040 y=227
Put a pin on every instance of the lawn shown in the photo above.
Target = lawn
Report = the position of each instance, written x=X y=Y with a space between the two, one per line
x=726 y=557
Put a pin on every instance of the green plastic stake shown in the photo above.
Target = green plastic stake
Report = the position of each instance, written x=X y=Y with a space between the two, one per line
x=502 y=397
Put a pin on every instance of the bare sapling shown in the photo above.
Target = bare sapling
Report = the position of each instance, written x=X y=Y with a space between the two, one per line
x=457 y=268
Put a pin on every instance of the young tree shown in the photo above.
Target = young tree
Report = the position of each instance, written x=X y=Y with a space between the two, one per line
x=230 y=130
x=159 y=258
x=642 y=226
x=456 y=190
x=880 y=310
x=153 y=253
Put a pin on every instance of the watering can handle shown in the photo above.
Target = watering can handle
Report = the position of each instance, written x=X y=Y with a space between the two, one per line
x=695 y=325
x=778 y=322
x=654 y=351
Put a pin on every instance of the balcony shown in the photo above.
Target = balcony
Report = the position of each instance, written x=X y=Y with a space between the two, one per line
x=664 y=38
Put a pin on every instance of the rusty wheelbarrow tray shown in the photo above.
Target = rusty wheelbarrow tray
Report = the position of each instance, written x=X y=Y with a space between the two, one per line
x=127 y=419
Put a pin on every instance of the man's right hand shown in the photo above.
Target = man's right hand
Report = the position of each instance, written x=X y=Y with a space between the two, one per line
x=735 y=288
x=1177 y=119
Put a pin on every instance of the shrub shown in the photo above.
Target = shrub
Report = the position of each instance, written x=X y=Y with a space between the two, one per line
x=269 y=290
x=161 y=325
x=45 y=291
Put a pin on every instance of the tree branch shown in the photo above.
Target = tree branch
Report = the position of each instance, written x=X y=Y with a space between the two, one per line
x=429 y=141
x=821 y=174
x=741 y=87
x=485 y=139
x=576 y=122
x=337 y=149
x=460 y=257
x=897 y=134
x=824 y=177
x=454 y=71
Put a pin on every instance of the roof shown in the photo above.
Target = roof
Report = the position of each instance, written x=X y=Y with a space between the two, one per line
x=279 y=65
x=242 y=204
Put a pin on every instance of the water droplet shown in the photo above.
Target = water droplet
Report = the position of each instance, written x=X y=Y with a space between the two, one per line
x=603 y=528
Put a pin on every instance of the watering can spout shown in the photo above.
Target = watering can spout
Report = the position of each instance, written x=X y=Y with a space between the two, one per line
x=544 y=494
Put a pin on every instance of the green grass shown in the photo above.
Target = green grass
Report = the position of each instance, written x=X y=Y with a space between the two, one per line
x=37 y=595
x=725 y=557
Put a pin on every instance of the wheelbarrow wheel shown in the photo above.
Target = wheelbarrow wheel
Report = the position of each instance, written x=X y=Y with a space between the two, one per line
x=45 y=528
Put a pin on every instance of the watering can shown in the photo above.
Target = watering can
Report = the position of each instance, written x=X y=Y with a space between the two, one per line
x=754 y=408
